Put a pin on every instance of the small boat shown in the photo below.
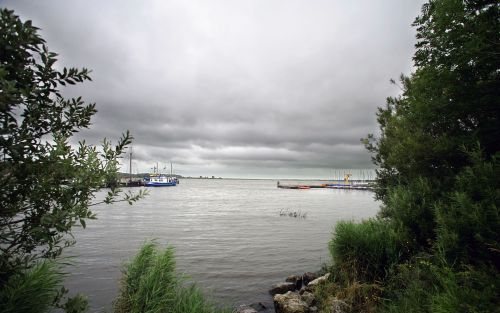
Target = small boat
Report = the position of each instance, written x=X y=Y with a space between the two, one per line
x=159 y=180
x=156 y=179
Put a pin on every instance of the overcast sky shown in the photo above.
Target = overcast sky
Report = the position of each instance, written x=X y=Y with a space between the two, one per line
x=234 y=88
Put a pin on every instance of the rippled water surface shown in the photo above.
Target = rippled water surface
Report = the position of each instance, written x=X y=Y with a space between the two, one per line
x=228 y=236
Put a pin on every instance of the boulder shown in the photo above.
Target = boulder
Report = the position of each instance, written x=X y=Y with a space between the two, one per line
x=296 y=279
x=262 y=307
x=245 y=309
x=312 y=284
x=308 y=276
x=281 y=288
x=318 y=280
x=290 y=302
x=308 y=298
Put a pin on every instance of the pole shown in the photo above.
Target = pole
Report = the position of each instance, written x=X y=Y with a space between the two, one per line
x=130 y=166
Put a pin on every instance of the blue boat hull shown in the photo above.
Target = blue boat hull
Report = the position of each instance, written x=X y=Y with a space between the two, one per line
x=160 y=184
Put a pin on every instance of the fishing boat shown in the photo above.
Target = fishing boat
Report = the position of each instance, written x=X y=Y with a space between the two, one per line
x=156 y=179
x=159 y=180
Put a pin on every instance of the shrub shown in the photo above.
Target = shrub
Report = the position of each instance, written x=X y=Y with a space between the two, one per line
x=365 y=251
x=469 y=219
x=411 y=208
x=422 y=286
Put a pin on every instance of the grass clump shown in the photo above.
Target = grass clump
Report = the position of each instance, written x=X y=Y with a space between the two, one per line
x=352 y=296
x=150 y=284
x=34 y=290
x=365 y=251
x=363 y=255
x=38 y=290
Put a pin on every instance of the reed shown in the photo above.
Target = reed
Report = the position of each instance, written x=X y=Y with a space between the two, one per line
x=32 y=291
x=293 y=213
x=366 y=251
x=150 y=284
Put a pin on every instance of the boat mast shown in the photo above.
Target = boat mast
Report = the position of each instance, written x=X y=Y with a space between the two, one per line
x=130 y=165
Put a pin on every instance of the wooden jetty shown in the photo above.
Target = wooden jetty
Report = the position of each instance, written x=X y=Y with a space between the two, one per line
x=351 y=186
x=338 y=184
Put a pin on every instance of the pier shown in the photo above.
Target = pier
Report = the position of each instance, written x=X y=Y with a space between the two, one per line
x=332 y=185
x=364 y=181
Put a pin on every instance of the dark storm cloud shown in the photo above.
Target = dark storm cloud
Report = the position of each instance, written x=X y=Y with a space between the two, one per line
x=234 y=88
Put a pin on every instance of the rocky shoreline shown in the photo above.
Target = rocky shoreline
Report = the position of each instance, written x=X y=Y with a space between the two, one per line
x=295 y=295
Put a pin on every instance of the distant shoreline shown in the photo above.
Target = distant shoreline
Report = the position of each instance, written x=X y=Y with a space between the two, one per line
x=141 y=175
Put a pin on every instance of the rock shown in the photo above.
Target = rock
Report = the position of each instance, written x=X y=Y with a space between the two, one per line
x=245 y=309
x=296 y=279
x=338 y=306
x=312 y=284
x=318 y=280
x=313 y=309
x=290 y=302
x=261 y=307
x=281 y=288
x=308 y=298
x=308 y=276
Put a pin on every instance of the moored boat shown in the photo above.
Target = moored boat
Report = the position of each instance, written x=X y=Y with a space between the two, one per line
x=159 y=180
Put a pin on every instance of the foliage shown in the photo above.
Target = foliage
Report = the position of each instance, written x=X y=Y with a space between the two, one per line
x=426 y=285
x=47 y=185
x=438 y=176
x=439 y=139
x=366 y=251
x=468 y=218
x=150 y=284
x=409 y=208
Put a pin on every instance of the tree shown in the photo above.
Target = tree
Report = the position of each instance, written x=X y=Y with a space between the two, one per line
x=447 y=114
x=48 y=186
x=435 y=245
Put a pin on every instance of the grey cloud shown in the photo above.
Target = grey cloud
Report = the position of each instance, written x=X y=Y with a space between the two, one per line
x=230 y=87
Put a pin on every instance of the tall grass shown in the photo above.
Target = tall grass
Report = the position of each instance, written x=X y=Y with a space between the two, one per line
x=39 y=290
x=33 y=291
x=365 y=251
x=150 y=284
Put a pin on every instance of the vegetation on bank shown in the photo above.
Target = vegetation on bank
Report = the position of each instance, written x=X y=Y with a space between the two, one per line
x=48 y=188
x=150 y=284
x=48 y=185
x=434 y=246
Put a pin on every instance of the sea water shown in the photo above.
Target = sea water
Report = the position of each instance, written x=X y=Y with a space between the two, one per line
x=228 y=235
